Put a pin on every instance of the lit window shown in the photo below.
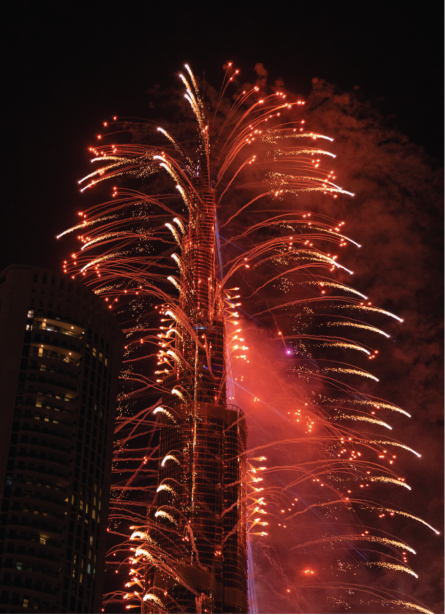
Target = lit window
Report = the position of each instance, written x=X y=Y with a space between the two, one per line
x=19 y=565
x=106 y=362
x=89 y=569
x=40 y=352
x=94 y=351
x=25 y=603
x=42 y=540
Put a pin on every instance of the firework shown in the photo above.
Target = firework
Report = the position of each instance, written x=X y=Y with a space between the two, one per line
x=228 y=212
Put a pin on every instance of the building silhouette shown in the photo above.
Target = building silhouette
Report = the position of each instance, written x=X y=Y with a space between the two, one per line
x=60 y=354
x=200 y=509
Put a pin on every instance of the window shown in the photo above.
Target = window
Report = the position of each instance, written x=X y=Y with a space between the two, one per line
x=25 y=603
x=19 y=565
x=30 y=314
x=43 y=540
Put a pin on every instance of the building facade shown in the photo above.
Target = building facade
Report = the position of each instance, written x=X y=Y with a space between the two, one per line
x=199 y=520
x=60 y=354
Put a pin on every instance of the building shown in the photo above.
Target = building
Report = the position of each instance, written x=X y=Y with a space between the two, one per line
x=60 y=354
x=198 y=521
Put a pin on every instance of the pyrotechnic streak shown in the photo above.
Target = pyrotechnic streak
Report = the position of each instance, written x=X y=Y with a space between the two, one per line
x=340 y=323
x=154 y=599
x=366 y=419
x=379 y=404
x=334 y=285
x=101 y=259
x=174 y=232
x=345 y=345
x=357 y=372
x=367 y=308
x=411 y=605
x=405 y=514
x=166 y=412
x=179 y=223
x=399 y=444
x=84 y=224
x=386 y=479
x=102 y=238
x=140 y=552
x=167 y=457
x=174 y=281
x=228 y=200
x=166 y=515
x=394 y=567
x=359 y=537
x=165 y=487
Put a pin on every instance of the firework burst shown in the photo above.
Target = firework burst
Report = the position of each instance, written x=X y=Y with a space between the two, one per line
x=226 y=208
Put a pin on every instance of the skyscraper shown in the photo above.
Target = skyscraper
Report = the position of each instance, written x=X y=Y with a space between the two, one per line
x=60 y=353
x=201 y=501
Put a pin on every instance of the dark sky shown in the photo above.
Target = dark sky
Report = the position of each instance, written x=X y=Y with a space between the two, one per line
x=67 y=70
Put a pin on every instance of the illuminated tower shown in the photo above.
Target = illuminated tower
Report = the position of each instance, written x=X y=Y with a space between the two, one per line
x=60 y=353
x=200 y=505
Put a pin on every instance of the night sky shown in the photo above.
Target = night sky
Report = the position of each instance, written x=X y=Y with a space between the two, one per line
x=67 y=71
x=71 y=66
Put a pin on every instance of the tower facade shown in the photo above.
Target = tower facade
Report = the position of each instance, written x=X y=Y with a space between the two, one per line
x=60 y=354
x=200 y=508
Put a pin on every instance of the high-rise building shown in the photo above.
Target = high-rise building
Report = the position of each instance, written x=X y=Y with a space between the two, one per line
x=200 y=508
x=60 y=354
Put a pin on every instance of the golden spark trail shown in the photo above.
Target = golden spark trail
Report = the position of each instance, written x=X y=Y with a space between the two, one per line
x=339 y=323
x=394 y=567
x=386 y=479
